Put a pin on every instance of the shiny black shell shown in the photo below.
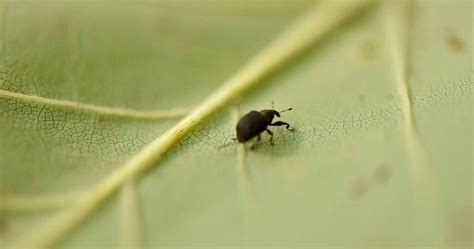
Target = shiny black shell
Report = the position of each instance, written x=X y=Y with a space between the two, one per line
x=251 y=125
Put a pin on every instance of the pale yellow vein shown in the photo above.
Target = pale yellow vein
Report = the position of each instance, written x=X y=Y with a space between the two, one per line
x=244 y=174
x=247 y=196
x=95 y=109
x=131 y=223
x=314 y=26
x=241 y=153
x=243 y=170
x=399 y=14
x=73 y=38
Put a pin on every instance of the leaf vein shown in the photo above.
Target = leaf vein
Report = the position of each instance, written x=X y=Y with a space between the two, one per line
x=101 y=110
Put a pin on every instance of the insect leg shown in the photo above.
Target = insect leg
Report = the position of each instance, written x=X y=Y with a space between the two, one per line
x=281 y=123
x=271 y=135
x=254 y=145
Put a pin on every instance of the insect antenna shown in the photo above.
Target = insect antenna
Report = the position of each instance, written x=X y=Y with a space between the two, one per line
x=289 y=109
x=234 y=141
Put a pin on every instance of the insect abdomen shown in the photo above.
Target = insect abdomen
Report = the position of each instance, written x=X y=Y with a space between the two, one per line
x=250 y=125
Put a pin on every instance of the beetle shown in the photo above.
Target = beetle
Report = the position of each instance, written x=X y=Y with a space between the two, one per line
x=254 y=123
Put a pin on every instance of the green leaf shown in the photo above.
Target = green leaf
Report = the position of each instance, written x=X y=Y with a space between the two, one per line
x=112 y=115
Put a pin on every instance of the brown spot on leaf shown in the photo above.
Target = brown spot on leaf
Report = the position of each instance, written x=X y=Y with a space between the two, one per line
x=383 y=173
x=454 y=41
x=357 y=189
x=461 y=231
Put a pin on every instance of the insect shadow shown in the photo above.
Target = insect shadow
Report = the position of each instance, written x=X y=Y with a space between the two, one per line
x=285 y=144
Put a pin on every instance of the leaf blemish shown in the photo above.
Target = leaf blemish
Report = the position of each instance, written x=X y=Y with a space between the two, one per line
x=383 y=173
x=461 y=227
x=358 y=188
x=455 y=42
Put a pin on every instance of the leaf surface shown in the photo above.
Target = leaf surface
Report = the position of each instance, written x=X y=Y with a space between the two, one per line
x=381 y=154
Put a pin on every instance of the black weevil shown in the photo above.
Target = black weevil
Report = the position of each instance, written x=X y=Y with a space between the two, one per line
x=254 y=123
